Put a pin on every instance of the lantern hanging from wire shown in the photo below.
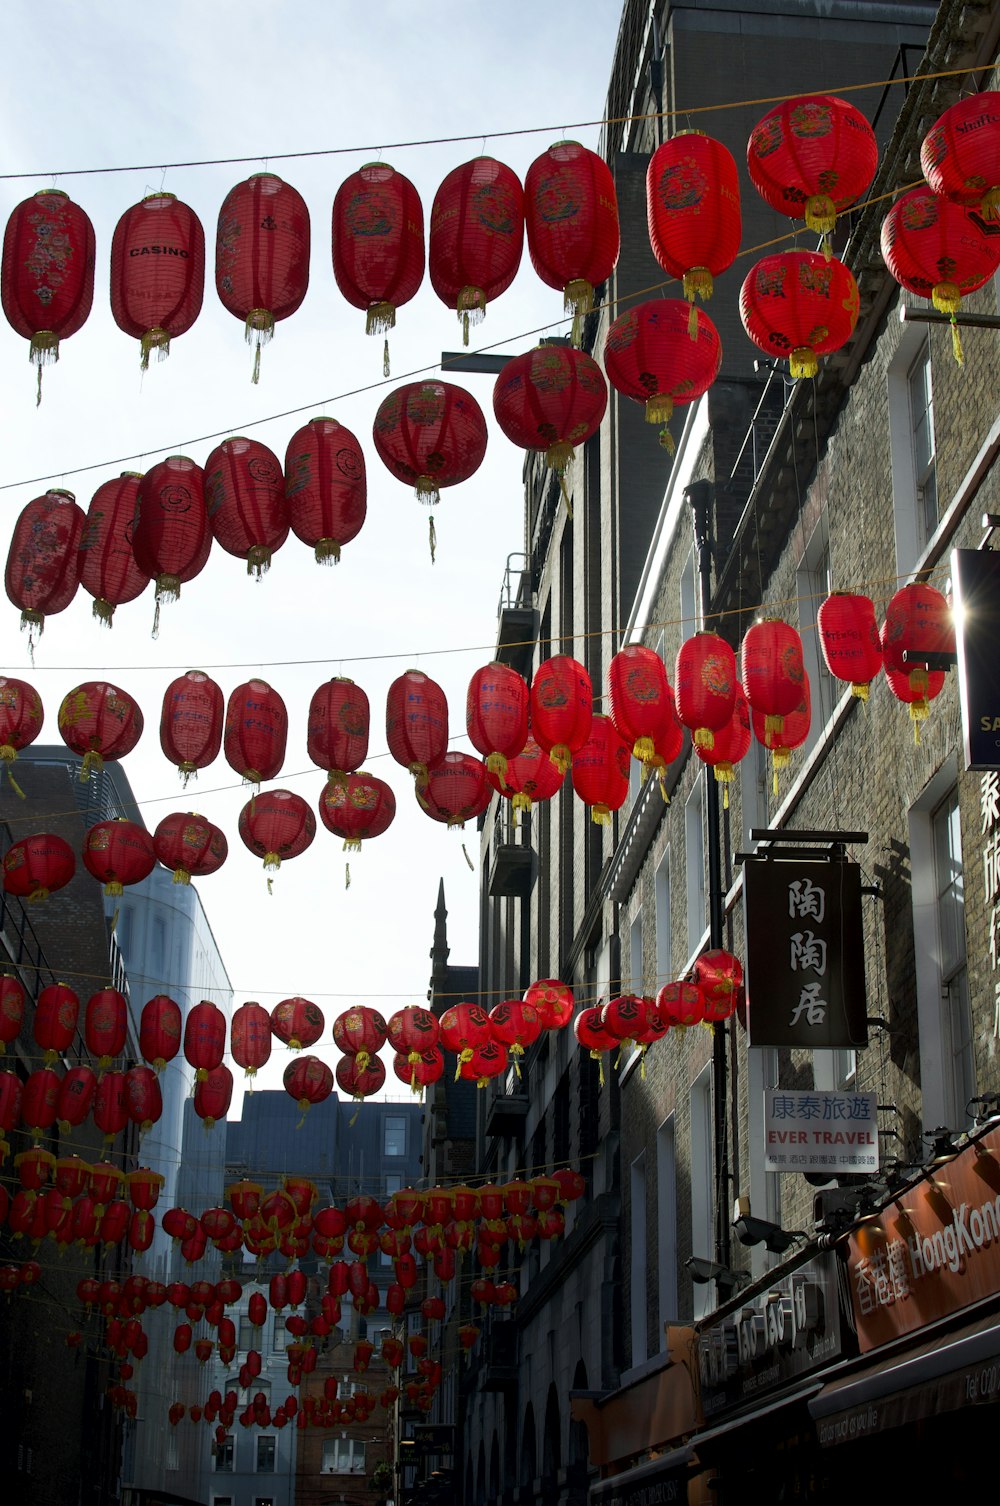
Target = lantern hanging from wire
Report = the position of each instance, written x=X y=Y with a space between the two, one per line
x=719 y=975
x=457 y=789
x=157 y=272
x=730 y=745
x=40 y=1101
x=107 y=565
x=413 y=1034
x=360 y=808
x=571 y=221
x=308 y=1080
x=171 y=536
x=553 y=1002
x=326 y=489
x=682 y=1004
x=651 y=356
x=21 y=719
x=12 y=1001
x=801 y=305
x=160 y=1031
x=496 y=715
x=939 y=250
x=245 y=498
x=601 y=770
x=143 y=1099
x=57 y=1010
x=43 y=563
x=516 y=1026
x=297 y=1022
x=118 y=853
x=430 y=435
x=337 y=728
x=848 y=635
x=551 y=399
x=486 y=1062
x=36 y=866
x=360 y=1032
x=262 y=256
x=110 y=1112
x=476 y=237
x=378 y=245
x=256 y=732
x=705 y=682
x=693 y=212
x=594 y=1037
x=793 y=733
x=416 y=723
x=277 y=825
x=213 y=1095
x=250 y=1037
x=360 y=1082
x=667 y=746
x=105 y=1025
x=772 y=671
x=191 y=721
x=464 y=1028
x=190 y=846
x=561 y=708
x=961 y=152
x=917 y=619
x=811 y=158
x=100 y=723
x=47 y=273
x=639 y=699
x=529 y=777
x=204 y=1038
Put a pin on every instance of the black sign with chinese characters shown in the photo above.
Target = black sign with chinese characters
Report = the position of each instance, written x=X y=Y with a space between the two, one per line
x=975 y=575
x=805 y=973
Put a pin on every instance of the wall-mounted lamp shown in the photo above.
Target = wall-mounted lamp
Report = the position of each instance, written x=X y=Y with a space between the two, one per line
x=703 y=1270
x=759 y=1231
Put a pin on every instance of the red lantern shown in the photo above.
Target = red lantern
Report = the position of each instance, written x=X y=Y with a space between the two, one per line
x=12 y=1001
x=601 y=770
x=256 y=732
x=476 y=237
x=378 y=244
x=35 y=866
x=213 y=1095
x=571 y=217
x=47 y=273
x=190 y=845
x=960 y=153
x=730 y=744
x=848 y=635
x=100 y=723
x=157 y=272
x=551 y=399
x=358 y=808
x=262 y=255
x=143 y=1100
x=144 y=1188
x=250 y=1037
x=337 y=728
x=529 y=777
x=553 y=1001
x=516 y=1026
x=416 y=723
x=651 y=356
x=938 y=250
x=276 y=825
x=496 y=715
x=571 y=1184
x=593 y=1036
x=107 y=564
x=811 y=158
x=21 y=719
x=141 y=1228
x=693 y=211
x=182 y=1338
x=412 y=1029
x=792 y=735
x=11 y=1098
x=118 y=853
x=464 y=1029
x=308 y=1080
x=429 y=435
x=43 y=561
x=561 y=708
x=106 y=1182
x=191 y=723
x=705 y=685
x=105 y=1027
x=204 y=1038
x=917 y=619
x=360 y=1032
x=640 y=699
x=54 y=1025
x=682 y=1004
x=357 y=1081
x=297 y=1022
x=772 y=671
x=110 y=1112
x=171 y=537
x=160 y=1031
x=801 y=305
x=245 y=498
x=325 y=487
x=419 y=1068
x=457 y=790
x=625 y=1017
x=719 y=975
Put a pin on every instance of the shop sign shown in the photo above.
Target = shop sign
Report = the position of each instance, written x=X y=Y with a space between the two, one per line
x=932 y=1252
x=820 y=1131
x=805 y=974
x=790 y=1329
x=975 y=575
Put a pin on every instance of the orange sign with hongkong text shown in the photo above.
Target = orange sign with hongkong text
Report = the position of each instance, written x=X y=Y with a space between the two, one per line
x=933 y=1251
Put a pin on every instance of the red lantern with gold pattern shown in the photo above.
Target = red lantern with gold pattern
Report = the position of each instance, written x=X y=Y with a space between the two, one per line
x=917 y=619
x=262 y=255
x=693 y=211
x=416 y=723
x=160 y=1031
x=157 y=272
x=143 y=1099
x=682 y=1003
x=571 y=219
x=419 y=1068
x=772 y=671
x=705 y=685
x=601 y=770
x=57 y=1010
x=213 y=1095
x=118 y=853
x=562 y=708
x=105 y=1025
x=550 y=399
x=107 y=564
x=496 y=715
x=11 y=1098
x=457 y=790
x=730 y=745
x=110 y=1111
x=325 y=487
x=337 y=728
x=190 y=845
x=848 y=635
x=250 y=1037
x=361 y=807
x=256 y=732
x=801 y=305
x=43 y=561
x=464 y=1029
x=594 y=1037
x=308 y=1080
x=811 y=158
x=204 y=1038
x=34 y=867
x=99 y=722
x=277 y=825
x=639 y=699
x=553 y=1001
x=476 y=237
x=245 y=498
x=47 y=275
x=360 y=1032
x=191 y=722
x=651 y=356
x=21 y=718
x=529 y=777
x=794 y=731
x=378 y=244
x=12 y=1001
x=960 y=154
x=297 y=1022
x=76 y=1097
x=516 y=1026
x=357 y=1081
x=430 y=435
x=412 y=1029
x=719 y=975
x=171 y=537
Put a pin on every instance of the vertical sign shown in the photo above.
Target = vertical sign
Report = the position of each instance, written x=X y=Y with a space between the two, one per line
x=989 y=806
x=805 y=953
x=976 y=586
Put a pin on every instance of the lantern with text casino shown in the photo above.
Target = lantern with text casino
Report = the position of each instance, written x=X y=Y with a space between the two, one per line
x=801 y=305
x=256 y=731
x=21 y=718
x=651 y=356
x=416 y=723
x=326 y=489
x=191 y=722
x=571 y=219
x=100 y=722
x=378 y=244
x=171 y=537
x=693 y=211
x=108 y=568
x=337 y=728
x=189 y=845
x=118 y=853
x=550 y=399
x=47 y=273
x=157 y=272
x=277 y=825
x=476 y=237
x=562 y=708
x=245 y=499
x=262 y=255
x=430 y=435
x=43 y=566
x=811 y=158
x=960 y=154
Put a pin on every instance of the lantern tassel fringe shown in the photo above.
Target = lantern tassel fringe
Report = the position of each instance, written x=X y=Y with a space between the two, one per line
x=380 y=318
x=471 y=309
x=181 y=876
x=465 y=852
x=859 y=689
x=155 y=339
x=327 y=552
x=432 y=539
x=802 y=362
x=561 y=757
x=258 y=330
x=42 y=351
x=8 y=753
x=258 y=560
x=495 y=762
x=104 y=611
x=385 y=357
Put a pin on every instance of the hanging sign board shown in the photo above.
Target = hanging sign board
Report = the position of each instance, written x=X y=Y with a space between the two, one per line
x=975 y=576
x=819 y=1131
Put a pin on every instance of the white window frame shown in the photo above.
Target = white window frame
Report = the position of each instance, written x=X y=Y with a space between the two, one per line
x=908 y=520
x=227 y=1444
x=639 y=1260
x=343 y=1446
x=635 y=982
x=702 y=1185
x=666 y=1226
x=271 y=1438
x=664 y=939
x=694 y=864
x=813 y=583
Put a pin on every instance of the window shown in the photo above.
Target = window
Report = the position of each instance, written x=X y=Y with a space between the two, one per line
x=280 y=1336
x=223 y=1453
x=635 y=981
x=637 y=1283
x=702 y=1184
x=666 y=1227
x=921 y=398
x=222 y=1501
x=263 y=1501
x=661 y=894
x=753 y=776
x=911 y=436
x=265 y=1455
x=694 y=839
x=248 y=1334
x=343 y=1456
x=814 y=582
x=394 y=1130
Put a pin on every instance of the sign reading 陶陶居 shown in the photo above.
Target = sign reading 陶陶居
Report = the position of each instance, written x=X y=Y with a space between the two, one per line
x=820 y=1131
x=805 y=972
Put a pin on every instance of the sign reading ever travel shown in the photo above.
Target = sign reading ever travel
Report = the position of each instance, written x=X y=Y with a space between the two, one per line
x=805 y=974
x=818 y=1131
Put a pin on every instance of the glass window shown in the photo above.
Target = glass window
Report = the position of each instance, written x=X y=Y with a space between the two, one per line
x=280 y=1338
x=921 y=399
x=663 y=938
x=343 y=1456
x=248 y=1334
x=394 y=1130
x=949 y=880
x=223 y=1453
x=265 y=1455
x=635 y=981
x=694 y=837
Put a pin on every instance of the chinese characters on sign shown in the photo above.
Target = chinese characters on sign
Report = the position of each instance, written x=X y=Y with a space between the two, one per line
x=820 y=1131
x=989 y=805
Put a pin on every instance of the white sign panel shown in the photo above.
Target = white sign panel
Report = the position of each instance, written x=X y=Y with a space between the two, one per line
x=820 y=1131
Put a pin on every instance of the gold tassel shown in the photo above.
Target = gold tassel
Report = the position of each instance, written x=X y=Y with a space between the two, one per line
x=860 y=690
x=154 y=339
x=802 y=362
x=578 y=300
x=989 y=204
x=258 y=560
x=472 y=866
x=956 y=342
x=596 y=1057
x=427 y=491
x=181 y=876
x=704 y=737
x=347 y=875
x=104 y=611
x=659 y=408
x=432 y=539
x=385 y=357
x=379 y=318
x=565 y=494
x=471 y=309
x=561 y=757
x=258 y=331
x=43 y=351
x=497 y=764
x=327 y=552
x=600 y=815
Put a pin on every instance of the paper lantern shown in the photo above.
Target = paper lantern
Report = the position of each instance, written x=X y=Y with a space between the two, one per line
x=43 y=564
x=730 y=744
x=11 y=1097
x=794 y=731
x=204 y=1038
x=358 y=809
x=250 y=1037
x=275 y=825
x=561 y=703
x=811 y=158
x=516 y=1026
x=144 y=1188
x=553 y=1002
x=693 y=211
x=457 y=790
x=326 y=489
x=191 y=722
x=961 y=151
x=157 y=272
x=337 y=728
x=100 y=723
x=419 y=1068
x=297 y=1022
x=12 y=1001
x=190 y=846
x=719 y=975
x=412 y=1029
x=529 y=777
x=771 y=670
x=430 y=435
x=476 y=237
x=117 y=854
x=593 y=1036
x=639 y=699
x=705 y=685
x=308 y=1080
x=107 y=563
x=357 y=1081
x=378 y=244
x=262 y=256
x=571 y=219
x=57 y=1009
x=105 y=1025
x=213 y=1095
x=551 y=399
x=245 y=498
x=143 y=1099
x=416 y=723
x=171 y=537
x=848 y=635
x=34 y=867
x=496 y=715
x=111 y=1114
x=47 y=273
x=360 y=1032
x=601 y=770
x=651 y=356
x=917 y=619
x=464 y=1028
x=800 y=305
x=21 y=720
x=256 y=732
x=682 y=1004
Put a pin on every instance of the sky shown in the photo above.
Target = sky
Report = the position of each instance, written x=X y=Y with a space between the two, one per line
x=105 y=85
